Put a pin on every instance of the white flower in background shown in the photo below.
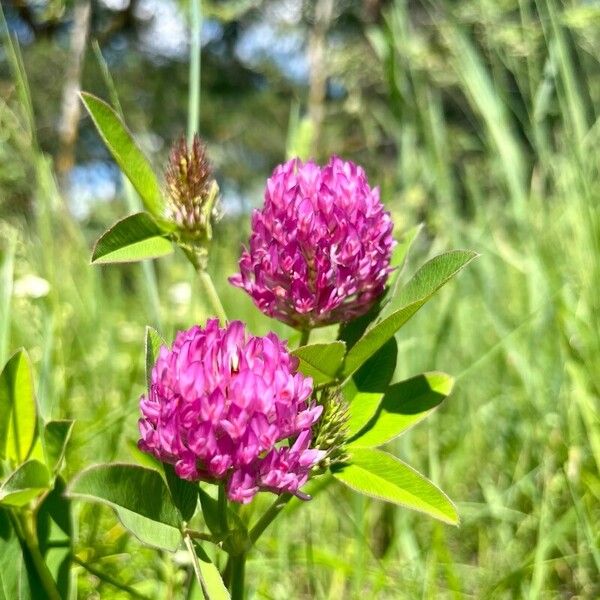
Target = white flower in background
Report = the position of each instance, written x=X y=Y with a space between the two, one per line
x=31 y=286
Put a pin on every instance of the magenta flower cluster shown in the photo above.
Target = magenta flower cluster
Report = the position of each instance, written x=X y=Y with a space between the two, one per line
x=220 y=404
x=320 y=247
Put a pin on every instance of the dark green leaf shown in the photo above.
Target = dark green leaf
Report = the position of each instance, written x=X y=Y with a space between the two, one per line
x=321 y=361
x=136 y=237
x=25 y=484
x=154 y=341
x=404 y=404
x=17 y=408
x=139 y=495
x=382 y=476
x=184 y=493
x=126 y=153
x=426 y=281
x=56 y=438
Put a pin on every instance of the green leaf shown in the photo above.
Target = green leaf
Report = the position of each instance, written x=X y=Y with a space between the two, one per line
x=140 y=497
x=126 y=153
x=56 y=438
x=400 y=256
x=17 y=408
x=426 y=281
x=321 y=361
x=365 y=390
x=184 y=493
x=136 y=237
x=238 y=532
x=404 y=404
x=212 y=583
x=382 y=476
x=154 y=341
x=25 y=484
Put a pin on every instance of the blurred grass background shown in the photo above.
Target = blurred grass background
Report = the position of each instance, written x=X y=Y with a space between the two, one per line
x=477 y=118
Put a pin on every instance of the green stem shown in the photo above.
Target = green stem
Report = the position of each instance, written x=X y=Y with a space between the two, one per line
x=238 y=575
x=189 y=544
x=222 y=505
x=212 y=295
x=304 y=337
x=269 y=516
x=195 y=49
x=31 y=541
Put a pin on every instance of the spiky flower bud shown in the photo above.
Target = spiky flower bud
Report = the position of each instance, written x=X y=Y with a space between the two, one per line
x=331 y=431
x=191 y=189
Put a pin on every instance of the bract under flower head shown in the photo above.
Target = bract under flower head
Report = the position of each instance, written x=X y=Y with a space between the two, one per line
x=320 y=247
x=220 y=403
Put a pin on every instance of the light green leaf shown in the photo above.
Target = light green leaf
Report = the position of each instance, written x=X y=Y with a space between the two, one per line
x=382 y=476
x=56 y=438
x=126 y=153
x=140 y=497
x=426 y=281
x=154 y=341
x=212 y=583
x=364 y=391
x=136 y=237
x=321 y=361
x=25 y=484
x=17 y=408
x=400 y=256
x=404 y=404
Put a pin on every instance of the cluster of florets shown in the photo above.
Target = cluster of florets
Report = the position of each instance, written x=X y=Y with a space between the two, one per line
x=220 y=405
x=320 y=247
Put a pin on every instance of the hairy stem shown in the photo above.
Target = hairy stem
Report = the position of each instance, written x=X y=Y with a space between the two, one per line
x=189 y=544
x=269 y=516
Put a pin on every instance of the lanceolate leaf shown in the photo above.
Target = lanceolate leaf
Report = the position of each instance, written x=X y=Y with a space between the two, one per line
x=17 y=408
x=139 y=495
x=404 y=404
x=153 y=343
x=136 y=237
x=26 y=483
x=321 y=361
x=400 y=256
x=426 y=281
x=382 y=476
x=126 y=153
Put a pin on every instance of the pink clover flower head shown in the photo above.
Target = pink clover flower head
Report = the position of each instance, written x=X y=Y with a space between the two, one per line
x=220 y=405
x=320 y=247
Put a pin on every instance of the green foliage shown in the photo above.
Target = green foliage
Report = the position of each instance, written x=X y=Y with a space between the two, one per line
x=56 y=437
x=136 y=237
x=138 y=495
x=153 y=343
x=26 y=483
x=17 y=407
x=321 y=361
x=380 y=475
x=126 y=153
x=426 y=281
x=403 y=405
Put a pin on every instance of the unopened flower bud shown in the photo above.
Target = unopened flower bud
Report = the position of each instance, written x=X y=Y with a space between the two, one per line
x=331 y=431
x=191 y=189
